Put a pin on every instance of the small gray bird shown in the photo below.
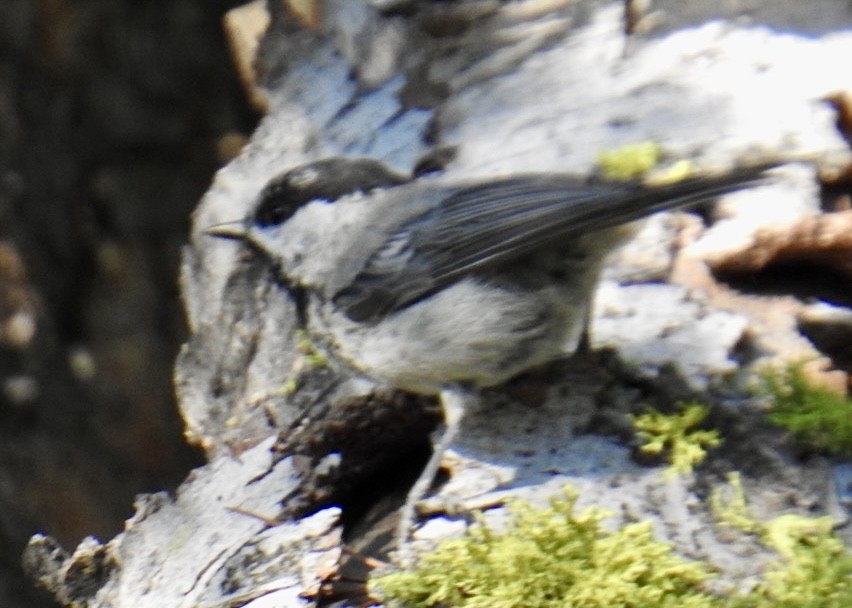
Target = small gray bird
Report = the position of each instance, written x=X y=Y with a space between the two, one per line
x=442 y=288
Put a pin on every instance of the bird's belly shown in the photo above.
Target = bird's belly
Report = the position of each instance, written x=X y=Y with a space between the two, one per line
x=473 y=332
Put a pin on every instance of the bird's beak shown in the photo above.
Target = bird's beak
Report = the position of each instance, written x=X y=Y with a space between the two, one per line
x=228 y=230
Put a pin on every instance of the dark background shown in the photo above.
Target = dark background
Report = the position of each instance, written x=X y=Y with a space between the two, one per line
x=114 y=116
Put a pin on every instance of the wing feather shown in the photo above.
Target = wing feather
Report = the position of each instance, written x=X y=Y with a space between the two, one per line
x=481 y=226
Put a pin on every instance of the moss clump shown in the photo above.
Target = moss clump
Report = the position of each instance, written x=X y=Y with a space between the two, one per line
x=728 y=504
x=629 y=162
x=817 y=416
x=551 y=558
x=554 y=557
x=670 y=435
x=814 y=569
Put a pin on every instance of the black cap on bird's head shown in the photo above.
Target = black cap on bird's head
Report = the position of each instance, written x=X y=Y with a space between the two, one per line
x=326 y=180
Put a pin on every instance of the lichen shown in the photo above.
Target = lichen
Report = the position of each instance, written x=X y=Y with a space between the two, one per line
x=816 y=416
x=670 y=435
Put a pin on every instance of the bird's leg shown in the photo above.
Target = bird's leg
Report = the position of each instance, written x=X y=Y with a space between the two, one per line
x=453 y=402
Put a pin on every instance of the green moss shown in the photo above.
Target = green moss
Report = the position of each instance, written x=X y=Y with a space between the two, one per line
x=814 y=569
x=556 y=557
x=290 y=386
x=314 y=357
x=728 y=504
x=670 y=435
x=817 y=416
x=629 y=162
x=549 y=558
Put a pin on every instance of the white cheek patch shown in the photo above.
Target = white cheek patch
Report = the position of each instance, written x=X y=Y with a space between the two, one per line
x=315 y=246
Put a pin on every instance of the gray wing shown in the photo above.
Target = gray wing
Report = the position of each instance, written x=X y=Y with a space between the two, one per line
x=481 y=226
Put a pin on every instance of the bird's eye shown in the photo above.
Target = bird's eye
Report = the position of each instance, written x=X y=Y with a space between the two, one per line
x=278 y=202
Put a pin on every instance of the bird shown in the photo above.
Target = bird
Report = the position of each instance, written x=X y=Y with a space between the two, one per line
x=441 y=286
